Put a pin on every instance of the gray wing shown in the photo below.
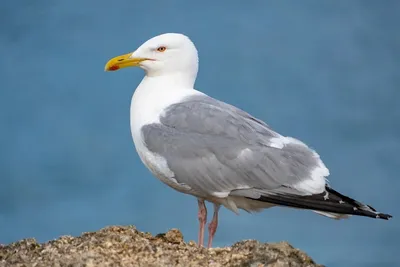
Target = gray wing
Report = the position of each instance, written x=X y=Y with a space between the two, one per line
x=217 y=149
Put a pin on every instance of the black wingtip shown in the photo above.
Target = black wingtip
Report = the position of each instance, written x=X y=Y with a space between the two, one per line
x=369 y=213
x=329 y=201
x=384 y=216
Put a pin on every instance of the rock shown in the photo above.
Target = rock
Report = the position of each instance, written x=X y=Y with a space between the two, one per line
x=126 y=246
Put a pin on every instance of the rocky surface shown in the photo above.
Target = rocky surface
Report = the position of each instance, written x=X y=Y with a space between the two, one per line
x=126 y=246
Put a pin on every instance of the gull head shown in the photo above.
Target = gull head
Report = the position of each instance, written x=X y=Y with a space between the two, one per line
x=164 y=54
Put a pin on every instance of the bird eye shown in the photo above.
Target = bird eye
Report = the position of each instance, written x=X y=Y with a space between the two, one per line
x=161 y=49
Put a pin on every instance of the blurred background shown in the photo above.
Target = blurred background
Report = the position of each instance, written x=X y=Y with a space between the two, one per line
x=327 y=73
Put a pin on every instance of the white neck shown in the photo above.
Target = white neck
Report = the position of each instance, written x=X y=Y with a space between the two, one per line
x=153 y=95
x=177 y=79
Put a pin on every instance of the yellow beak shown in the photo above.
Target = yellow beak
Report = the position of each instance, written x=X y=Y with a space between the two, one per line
x=123 y=61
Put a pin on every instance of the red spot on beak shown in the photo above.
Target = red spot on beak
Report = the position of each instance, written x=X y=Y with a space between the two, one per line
x=115 y=67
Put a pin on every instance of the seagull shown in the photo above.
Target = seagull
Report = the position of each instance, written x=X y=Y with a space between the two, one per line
x=217 y=152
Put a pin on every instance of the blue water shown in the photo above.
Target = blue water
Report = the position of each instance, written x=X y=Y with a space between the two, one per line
x=327 y=73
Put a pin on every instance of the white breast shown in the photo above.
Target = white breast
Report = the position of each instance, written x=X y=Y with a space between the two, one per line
x=148 y=103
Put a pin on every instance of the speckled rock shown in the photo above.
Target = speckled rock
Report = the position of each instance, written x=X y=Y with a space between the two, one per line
x=126 y=246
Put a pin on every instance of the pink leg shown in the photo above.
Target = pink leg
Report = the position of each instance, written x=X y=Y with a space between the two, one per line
x=212 y=227
x=202 y=215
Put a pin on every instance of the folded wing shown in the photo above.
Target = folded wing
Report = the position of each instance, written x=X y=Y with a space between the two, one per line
x=215 y=148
